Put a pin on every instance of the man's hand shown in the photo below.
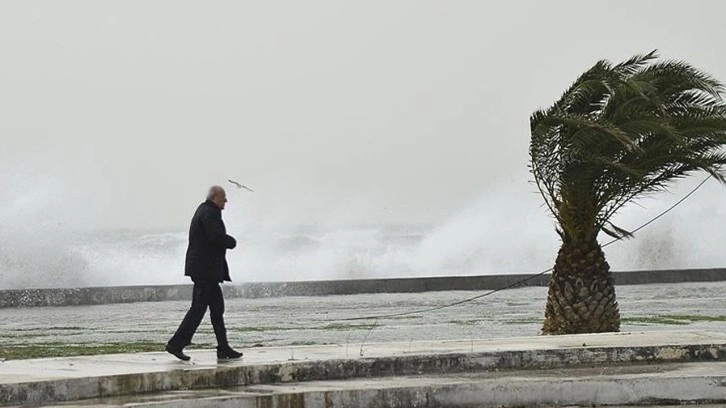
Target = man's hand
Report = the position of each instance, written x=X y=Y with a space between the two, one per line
x=230 y=242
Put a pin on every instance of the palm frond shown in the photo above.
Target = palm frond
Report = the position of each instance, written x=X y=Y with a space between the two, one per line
x=622 y=131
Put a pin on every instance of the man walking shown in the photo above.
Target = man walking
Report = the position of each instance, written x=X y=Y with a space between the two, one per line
x=207 y=266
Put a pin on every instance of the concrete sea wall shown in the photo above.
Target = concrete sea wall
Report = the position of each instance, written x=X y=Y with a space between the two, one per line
x=128 y=294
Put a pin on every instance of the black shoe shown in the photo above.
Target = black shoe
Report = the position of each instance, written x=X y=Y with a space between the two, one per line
x=228 y=354
x=177 y=353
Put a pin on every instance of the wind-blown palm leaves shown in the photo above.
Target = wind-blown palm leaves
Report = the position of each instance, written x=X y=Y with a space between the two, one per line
x=619 y=132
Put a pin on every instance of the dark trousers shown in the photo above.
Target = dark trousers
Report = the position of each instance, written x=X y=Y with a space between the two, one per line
x=205 y=294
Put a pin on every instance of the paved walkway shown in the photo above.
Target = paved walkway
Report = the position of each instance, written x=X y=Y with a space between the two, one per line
x=35 y=370
x=39 y=380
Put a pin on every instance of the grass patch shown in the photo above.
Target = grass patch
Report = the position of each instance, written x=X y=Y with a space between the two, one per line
x=19 y=351
x=33 y=335
x=248 y=329
x=524 y=321
x=696 y=318
x=303 y=343
x=44 y=329
x=349 y=326
x=661 y=320
x=405 y=317
x=676 y=320
x=331 y=326
x=57 y=349
x=471 y=322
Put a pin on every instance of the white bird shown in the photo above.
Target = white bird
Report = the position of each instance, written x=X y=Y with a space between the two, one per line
x=240 y=185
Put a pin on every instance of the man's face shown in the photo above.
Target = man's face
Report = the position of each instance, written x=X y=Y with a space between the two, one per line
x=220 y=199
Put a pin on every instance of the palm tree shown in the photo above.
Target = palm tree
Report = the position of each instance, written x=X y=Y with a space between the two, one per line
x=618 y=133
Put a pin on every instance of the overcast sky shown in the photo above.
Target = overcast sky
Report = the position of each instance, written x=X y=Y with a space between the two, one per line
x=121 y=114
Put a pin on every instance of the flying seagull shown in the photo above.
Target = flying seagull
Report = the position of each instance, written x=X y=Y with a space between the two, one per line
x=240 y=185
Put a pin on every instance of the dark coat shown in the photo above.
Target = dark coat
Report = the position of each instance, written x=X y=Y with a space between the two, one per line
x=208 y=243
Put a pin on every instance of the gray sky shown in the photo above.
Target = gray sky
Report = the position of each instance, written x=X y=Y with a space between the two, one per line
x=122 y=113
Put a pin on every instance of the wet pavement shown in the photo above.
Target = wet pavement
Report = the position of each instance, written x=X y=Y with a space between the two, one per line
x=597 y=369
x=319 y=320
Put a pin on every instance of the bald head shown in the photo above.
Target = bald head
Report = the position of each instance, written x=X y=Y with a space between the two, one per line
x=218 y=196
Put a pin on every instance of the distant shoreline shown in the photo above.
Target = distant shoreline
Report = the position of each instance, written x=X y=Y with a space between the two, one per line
x=11 y=298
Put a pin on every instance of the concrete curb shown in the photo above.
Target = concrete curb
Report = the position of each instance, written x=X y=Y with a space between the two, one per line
x=679 y=383
x=499 y=392
x=331 y=369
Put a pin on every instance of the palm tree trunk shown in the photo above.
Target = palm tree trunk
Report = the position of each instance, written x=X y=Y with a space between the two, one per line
x=581 y=296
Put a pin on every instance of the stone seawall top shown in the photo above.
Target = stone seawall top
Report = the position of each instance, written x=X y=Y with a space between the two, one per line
x=127 y=294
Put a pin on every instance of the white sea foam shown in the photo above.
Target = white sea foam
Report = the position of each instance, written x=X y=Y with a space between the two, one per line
x=506 y=231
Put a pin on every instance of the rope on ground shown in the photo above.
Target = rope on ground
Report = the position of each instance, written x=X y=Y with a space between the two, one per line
x=519 y=282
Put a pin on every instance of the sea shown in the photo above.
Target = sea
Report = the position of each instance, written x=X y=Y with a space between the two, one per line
x=156 y=257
